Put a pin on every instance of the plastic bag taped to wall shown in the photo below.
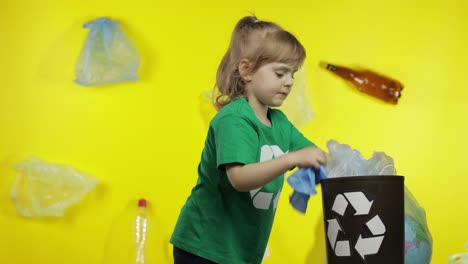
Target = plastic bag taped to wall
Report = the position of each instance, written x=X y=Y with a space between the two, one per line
x=298 y=106
x=44 y=189
x=108 y=55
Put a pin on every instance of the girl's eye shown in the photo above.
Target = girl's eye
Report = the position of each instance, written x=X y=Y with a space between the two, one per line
x=279 y=74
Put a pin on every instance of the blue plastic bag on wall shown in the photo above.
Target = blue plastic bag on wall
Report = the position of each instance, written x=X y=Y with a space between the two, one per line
x=108 y=56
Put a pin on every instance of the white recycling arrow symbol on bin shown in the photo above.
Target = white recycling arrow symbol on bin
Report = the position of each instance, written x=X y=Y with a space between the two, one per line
x=362 y=206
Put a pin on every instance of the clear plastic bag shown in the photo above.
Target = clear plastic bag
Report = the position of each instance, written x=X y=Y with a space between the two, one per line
x=108 y=56
x=460 y=258
x=344 y=161
x=44 y=189
x=205 y=106
x=297 y=107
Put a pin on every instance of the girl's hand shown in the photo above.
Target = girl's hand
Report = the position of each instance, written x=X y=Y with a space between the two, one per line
x=309 y=157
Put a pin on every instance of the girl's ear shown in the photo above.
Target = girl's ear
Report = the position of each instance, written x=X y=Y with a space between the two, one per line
x=245 y=68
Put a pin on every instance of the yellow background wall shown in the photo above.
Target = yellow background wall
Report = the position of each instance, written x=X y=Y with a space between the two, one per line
x=144 y=139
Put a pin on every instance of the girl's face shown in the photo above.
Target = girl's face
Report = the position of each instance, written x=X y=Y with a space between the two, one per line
x=270 y=84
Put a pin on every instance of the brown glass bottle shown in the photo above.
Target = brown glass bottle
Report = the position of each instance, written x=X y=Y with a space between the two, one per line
x=369 y=82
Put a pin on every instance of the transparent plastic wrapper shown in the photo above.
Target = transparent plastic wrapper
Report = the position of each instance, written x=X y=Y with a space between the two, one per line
x=205 y=106
x=418 y=239
x=344 y=161
x=108 y=55
x=297 y=107
x=43 y=189
x=460 y=258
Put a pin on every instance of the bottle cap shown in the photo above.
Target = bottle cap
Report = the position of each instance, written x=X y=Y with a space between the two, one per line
x=142 y=203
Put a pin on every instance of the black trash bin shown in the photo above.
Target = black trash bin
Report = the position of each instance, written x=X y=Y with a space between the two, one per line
x=364 y=219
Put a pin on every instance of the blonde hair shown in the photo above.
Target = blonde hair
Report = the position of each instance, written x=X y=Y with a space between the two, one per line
x=260 y=42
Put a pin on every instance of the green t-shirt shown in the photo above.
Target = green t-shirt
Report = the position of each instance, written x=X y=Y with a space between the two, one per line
x=217 y=222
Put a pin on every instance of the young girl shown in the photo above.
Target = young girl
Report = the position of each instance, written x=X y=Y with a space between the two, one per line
x=249 y=146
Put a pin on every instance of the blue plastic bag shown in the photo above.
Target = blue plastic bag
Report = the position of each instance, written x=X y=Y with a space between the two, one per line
x=418 y=239
x=108 y=56
x=303 y=182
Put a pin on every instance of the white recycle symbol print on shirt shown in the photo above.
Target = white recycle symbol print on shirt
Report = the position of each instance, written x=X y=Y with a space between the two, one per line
x=362 y=206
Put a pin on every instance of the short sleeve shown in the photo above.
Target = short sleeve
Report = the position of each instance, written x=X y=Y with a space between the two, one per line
x=236 y=140
x=298 y=141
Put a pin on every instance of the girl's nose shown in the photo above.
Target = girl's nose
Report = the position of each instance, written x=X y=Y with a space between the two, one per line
x=288 y=82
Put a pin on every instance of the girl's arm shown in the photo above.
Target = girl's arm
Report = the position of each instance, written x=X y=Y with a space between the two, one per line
x=252 y=176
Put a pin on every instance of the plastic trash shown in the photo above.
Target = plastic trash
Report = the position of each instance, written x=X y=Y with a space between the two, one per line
x=344 y=161
x=418 y=239
x=297 y=107
x=44 y=189
x=205 y=106
x=303 y=182
x=132 y=236
x=369 y=82
x=108 y=55
x=461 y=258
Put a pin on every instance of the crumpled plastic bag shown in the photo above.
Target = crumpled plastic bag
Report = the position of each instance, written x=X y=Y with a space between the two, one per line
x=460 y=258
x=418 y=239
x=303 y=182
x=206 y=106
x=43 y=189
x=297 y=107
x=108 y=55
x=344 y=161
